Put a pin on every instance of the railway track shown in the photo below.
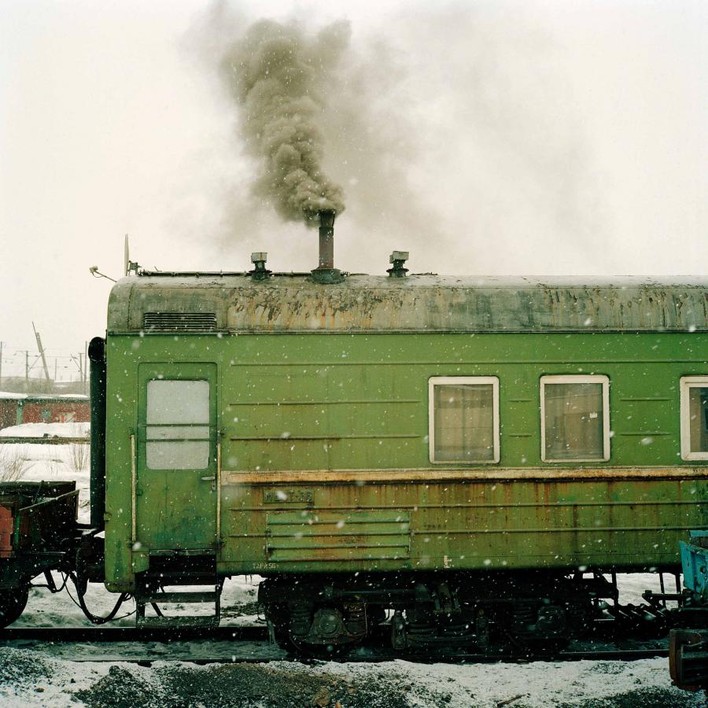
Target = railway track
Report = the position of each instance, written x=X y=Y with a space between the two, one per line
x=61 y=635
x=250 y=644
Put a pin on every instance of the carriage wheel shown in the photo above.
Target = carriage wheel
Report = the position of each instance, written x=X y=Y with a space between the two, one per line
x=12 y=603
x=303 y=648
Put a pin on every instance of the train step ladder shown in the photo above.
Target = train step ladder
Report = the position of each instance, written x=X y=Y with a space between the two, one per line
x=165 y=604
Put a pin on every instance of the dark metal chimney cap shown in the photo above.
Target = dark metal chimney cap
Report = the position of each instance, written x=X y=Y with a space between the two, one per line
x=398 y=258
x=260 y=272
x=327 y=218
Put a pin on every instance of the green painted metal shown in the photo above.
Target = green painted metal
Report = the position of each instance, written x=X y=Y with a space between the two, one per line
x=175 y=508
x=330 y=536
x=333 y=401
x=496 y=524
x=323 y=407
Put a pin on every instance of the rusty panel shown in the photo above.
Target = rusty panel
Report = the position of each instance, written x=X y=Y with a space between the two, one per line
x=6 y=530
x=297 y=536
x=474 y=524
x=424 y=303
x=416 y=303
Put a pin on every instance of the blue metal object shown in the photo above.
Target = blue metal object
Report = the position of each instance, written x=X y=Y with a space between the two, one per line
x=694 y=559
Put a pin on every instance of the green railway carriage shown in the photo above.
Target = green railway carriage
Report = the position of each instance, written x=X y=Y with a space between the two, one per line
x=420 y=445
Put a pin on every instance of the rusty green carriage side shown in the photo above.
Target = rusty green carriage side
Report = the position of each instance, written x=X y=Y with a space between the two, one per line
x=311 y=443
x=459 y=522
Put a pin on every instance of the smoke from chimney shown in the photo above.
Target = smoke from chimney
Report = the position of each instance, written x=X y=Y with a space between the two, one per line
x=278 y=76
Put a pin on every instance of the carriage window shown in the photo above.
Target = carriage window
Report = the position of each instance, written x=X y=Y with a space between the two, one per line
x=464 y=419
x=177 y=425
x=575 y=418
x=694 y=418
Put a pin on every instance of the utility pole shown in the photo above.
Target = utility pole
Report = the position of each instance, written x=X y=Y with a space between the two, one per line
x=41 y=352
x=78 y=359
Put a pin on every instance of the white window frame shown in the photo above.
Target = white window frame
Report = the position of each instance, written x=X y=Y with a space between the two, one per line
x=686 y=384
x=434 y=381
x=578 y=379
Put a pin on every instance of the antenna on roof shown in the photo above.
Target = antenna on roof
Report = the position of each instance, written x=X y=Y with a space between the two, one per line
x=128 y=265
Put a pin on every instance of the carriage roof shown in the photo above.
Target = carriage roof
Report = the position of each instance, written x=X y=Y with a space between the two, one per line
x=236 y=302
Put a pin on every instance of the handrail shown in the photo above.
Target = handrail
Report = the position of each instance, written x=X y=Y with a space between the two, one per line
x=218 y=492
x=133 y=492
x=49 y=500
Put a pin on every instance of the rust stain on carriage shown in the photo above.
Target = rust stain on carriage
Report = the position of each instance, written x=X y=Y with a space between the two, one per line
x=395 y=522
x=382 y=534
x=6 y=531
x=414 y=476
x=292 y=303
x=453 y=307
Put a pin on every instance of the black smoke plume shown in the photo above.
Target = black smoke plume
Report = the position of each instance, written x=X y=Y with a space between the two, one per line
x=279 y=77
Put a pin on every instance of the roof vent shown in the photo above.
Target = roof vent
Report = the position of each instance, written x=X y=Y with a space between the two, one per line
x=179 y=321
x=259 y=272
x=398 y=259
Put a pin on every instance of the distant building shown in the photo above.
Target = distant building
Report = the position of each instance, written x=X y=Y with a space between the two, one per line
x=19 y=408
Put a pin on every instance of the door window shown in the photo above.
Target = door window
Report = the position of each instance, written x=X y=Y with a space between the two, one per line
x=177 y=425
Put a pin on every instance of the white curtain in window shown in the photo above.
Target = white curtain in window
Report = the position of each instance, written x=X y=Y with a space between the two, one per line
x=573 y=421
x=464 y=422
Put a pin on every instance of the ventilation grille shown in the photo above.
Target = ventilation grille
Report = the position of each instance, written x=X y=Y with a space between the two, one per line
x=179 y=321
x=309 y=537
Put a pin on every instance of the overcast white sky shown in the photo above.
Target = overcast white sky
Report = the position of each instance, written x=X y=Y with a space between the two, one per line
x=534 y=137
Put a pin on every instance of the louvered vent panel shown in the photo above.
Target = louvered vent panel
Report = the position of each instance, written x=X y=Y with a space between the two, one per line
x=179 y=321
x=305 y=537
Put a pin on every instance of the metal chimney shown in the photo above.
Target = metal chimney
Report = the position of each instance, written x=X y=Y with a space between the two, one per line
x=326 y=272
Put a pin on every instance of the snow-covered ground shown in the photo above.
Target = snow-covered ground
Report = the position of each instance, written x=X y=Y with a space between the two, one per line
x=47 y=430
x=47 y=676
x=36 y=678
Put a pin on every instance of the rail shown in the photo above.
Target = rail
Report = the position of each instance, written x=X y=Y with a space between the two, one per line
x=237 y=644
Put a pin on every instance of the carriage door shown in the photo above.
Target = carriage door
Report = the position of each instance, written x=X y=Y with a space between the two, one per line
x=176 y=463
